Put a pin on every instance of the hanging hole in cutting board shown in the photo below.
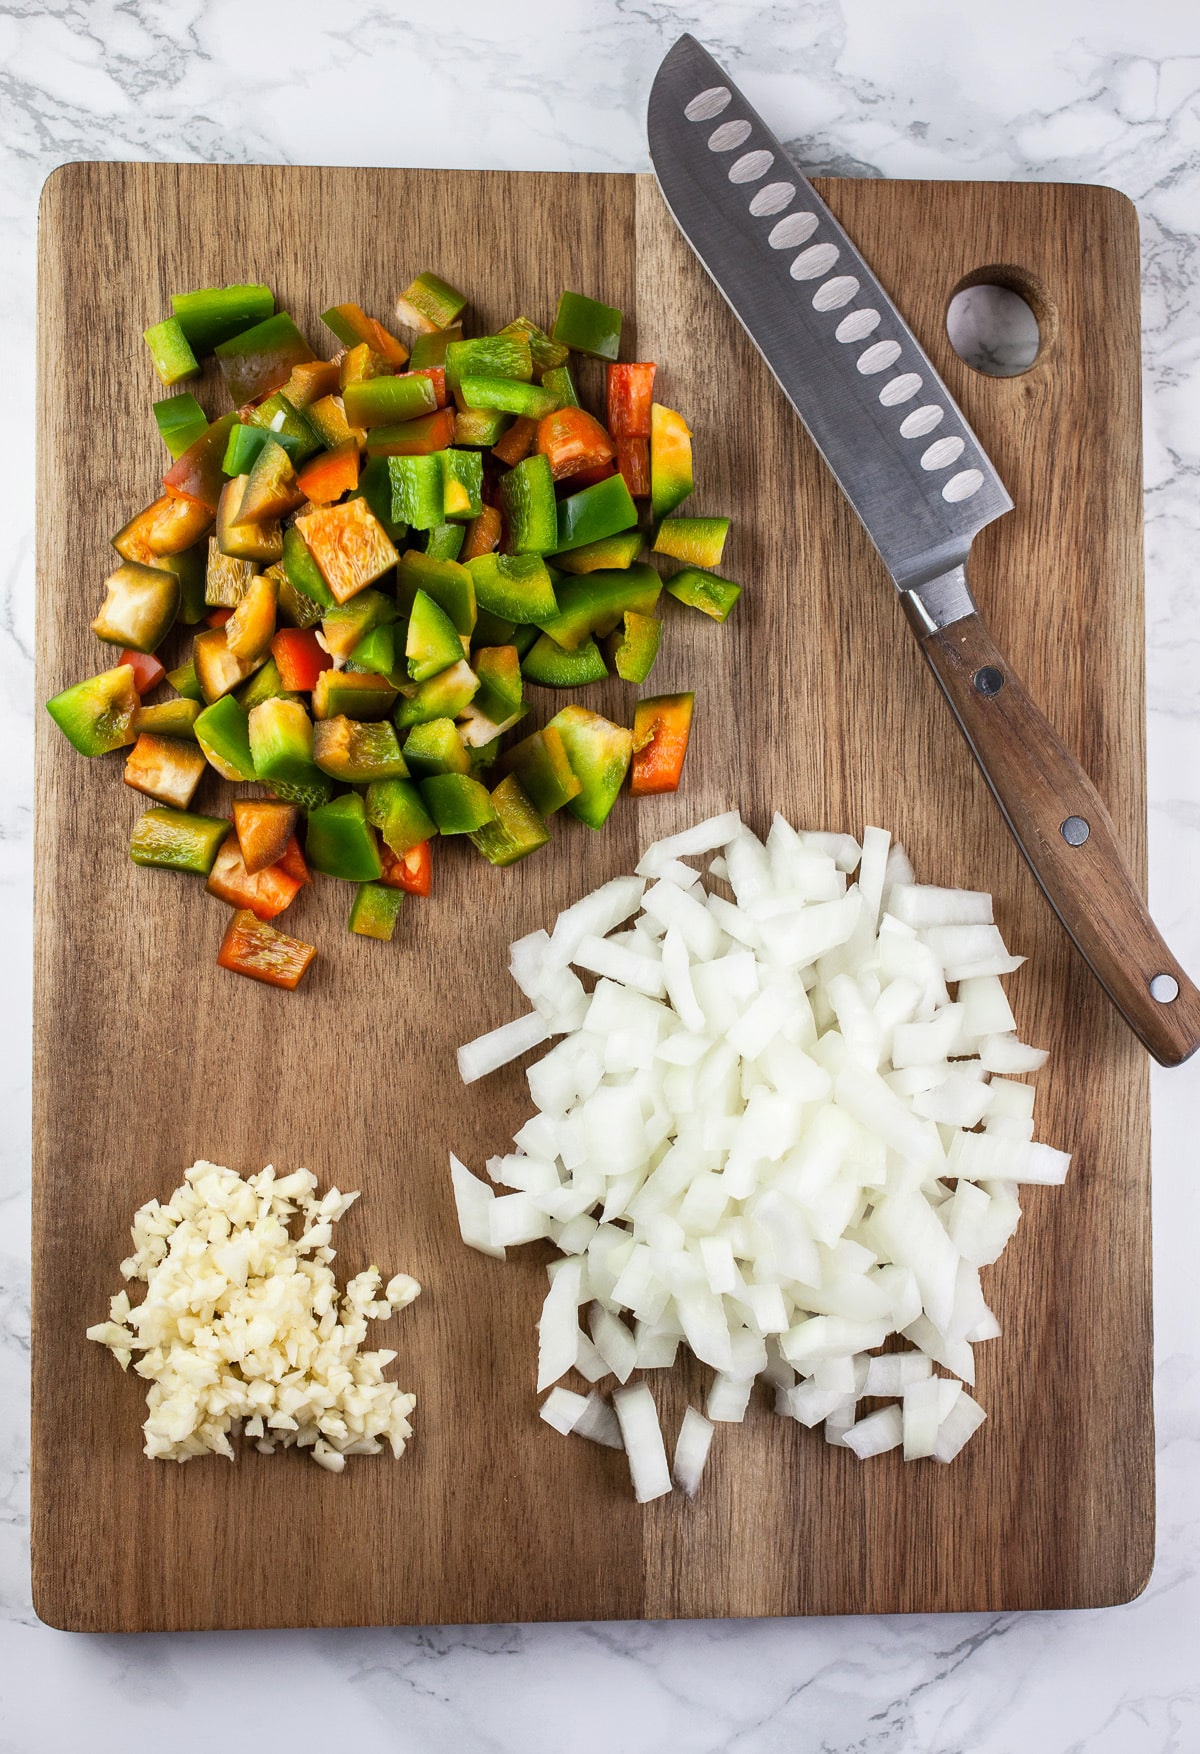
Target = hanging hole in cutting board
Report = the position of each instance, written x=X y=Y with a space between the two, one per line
x=1000 y=321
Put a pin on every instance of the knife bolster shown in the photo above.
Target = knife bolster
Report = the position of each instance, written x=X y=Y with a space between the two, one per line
x=938 y=602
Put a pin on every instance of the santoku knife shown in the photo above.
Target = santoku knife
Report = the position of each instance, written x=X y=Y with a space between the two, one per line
x=923 y=486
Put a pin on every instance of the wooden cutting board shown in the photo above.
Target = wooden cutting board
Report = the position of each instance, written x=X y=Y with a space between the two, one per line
x=813 y=700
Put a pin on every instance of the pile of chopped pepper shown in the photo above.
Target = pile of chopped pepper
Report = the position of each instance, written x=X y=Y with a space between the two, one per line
x=378 y=552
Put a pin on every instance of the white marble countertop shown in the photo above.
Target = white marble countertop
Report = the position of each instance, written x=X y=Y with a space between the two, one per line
x=1072 y=90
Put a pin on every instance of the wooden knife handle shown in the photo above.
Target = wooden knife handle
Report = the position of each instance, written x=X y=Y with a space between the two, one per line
x=1068 y=837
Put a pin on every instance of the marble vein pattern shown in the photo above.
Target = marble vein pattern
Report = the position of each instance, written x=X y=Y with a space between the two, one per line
x=1072 y=90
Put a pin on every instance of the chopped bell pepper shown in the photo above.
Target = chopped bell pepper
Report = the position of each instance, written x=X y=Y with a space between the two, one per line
x=457 y=803
x=413 y=438
x=630 y=393
x=362 y=362
x=226 y=580
x=435 y=747
x=572 y=439
x=516 y=829
x=480 y=736
x=254 y=948
x=198 y=473
x=507 y=395
x=633 y=650
x=599 y=753
x=264 y=828
x=281 y=743
x=443 y=696
x=429 y=303
x=169 y=718
x=633 y=460
x=417 y=492
x=168 y=527
x=311 y=381
x=514 y=446
x=286 y=425
x=670 y=460
x=223 y=733
x=661 y=728
x=218 y=617
x=291 y=860
x=300 y=658
x=265 y=684
x=699 y=541
x=394 y=807
x=587 y=326
x=140 y=607
x=607 y=555
x=180 y=420
x=147 y=671
x=595 y=603
x=437 y=377
x=347 y=624
x=451 y=586
x=483 y=534
x=376 y=653
x=341 y=842
x=705 y=591
x=501 y=690
x=480 y=427
x=354 y=694
x=190 y=569
x=590 y=477
x=411 y=871
x=489 y=356
x=527 y=493
x=385 y=401
x=245 y=442
x=245 y=541
x=216 y=313
x=326 y=418
x=218 y=669
x=170 y=354
x=462 y=483
x=295 y=610
x=97 y=715
x=330 y=474
x=594 y=513
x=540 y=764
x=265 y=892
x=271 y=486
x=549 y=664
x=166 y=768
x=349 y=544
x=430 y=348
x=375 y=486
x=524 y=638
x=351 y=324
x=547 y=355
x=258 y=360
x=432 y=642
x=357 y=752
x=186 y=681
x=177 y=840
x=446 y=542
x=515 y=586
x=561 y=384
x=375 y=911
x=302 y=570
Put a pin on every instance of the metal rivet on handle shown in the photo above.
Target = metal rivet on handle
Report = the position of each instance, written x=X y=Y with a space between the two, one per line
x=1164 y=988
x=988 y=680
x=1075 y=831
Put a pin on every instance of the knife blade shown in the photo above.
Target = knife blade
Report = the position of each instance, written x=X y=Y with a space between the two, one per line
x=923 y=486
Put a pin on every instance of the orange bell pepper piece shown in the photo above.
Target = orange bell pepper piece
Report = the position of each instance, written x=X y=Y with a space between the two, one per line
x=661 y=728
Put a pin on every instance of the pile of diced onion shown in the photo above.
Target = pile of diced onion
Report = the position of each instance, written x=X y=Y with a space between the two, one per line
x=241 y=1329
x=769 y=1132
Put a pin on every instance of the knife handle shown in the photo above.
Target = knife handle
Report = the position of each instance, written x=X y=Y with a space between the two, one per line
x=1067 y=836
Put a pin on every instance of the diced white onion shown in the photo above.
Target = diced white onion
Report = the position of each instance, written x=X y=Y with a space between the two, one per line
x=691 y=1451
x=487 y=1053
x=642 y=1437
x=563 y=1409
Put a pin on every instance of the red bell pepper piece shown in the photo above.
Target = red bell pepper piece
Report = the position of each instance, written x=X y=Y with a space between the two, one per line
x=330 y=474
x=483 y=534
x=265 y=830
x=198 y=474
x=437 y=377
x=413 y=438
x=252 y=947
x=300 y=658
x=147 y=671
x=661 y=728
x=291 y=860
x=411 y=871
x=633 y=460
x=630 y=395
x=589 y=477
x=574 y=441
x=515 y=445
x=218 y=617
x=266 y=892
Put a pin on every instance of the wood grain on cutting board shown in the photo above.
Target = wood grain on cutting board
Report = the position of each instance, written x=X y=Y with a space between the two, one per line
x=813 y=700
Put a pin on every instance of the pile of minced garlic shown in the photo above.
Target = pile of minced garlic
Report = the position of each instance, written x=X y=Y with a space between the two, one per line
x=242 y=1329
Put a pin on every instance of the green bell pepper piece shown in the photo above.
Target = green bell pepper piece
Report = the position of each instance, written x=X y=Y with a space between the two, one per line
x=501 y=690
x=699 y=541
x=457 y=803
x=516 y=829
x=181 y=421
x=670 y=459
x=346 y=624
x=248 y=541
x=599 y=753
x=287 y=426
x=462 y=484
x=540 y=764
x=435 y=747
x=294 y=609
x=508 y=395
x=705 y=591
x=169 y=718
x=488 y=356
x=226 y=578
x=191 y=569
x=186 y=681
x=281 y=744
x=178 y=840
x=258 y=360
x=524 y=639
x=633 y=650
x=375 y=911
x=417 y=495
x=241 y=453
x=484 y=756
x=375 y=486
x=395 y=808
x=608 y=555
x=587 y=326
x=170 y=354
x=376 y=653
x=515 y=586
x=451 y=586
x=553 y=667
x=265 y=684
x=561 y=385
x=140 y=607
x=217 y=313
x=527 y=493
x=384 y=401
x=97 y=715
x=595 y=603
x=357 y=753
x=432 y=642
x=430 y=349
x=430 y=301
x=594 y=513
x=445 y=543
x=480 y=427
x=303 y=573
x=547 y=355
x=491 y=630
x=354 y=694
x=223 y=733
x=341 y=842
x=444 y=696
